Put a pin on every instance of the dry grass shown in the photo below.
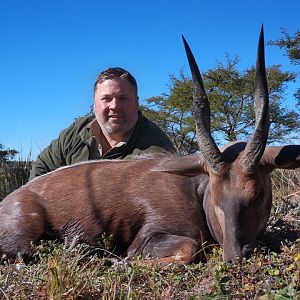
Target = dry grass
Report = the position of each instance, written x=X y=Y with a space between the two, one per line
x=13 y=174
x=76 y=272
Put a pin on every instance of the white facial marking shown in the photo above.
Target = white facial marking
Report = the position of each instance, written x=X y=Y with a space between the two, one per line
x=221 y=217
x=34 y=215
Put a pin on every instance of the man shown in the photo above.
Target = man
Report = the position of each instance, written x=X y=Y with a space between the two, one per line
x=117 y=130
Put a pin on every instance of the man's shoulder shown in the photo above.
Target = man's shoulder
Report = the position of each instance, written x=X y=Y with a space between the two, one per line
x=83 y=121
x=79 y=123
x=150 y=125
x=154 y=134
x=78 y=128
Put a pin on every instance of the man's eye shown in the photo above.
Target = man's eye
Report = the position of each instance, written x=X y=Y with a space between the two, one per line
x=124 y=98
x=105 y=99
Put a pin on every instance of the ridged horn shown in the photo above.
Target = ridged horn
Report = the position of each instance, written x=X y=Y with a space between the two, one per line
x=258 y=140
x=206 y=143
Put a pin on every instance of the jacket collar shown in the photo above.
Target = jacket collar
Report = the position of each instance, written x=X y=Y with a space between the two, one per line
x=130 y=140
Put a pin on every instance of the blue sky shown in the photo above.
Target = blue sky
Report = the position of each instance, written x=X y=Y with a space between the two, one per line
x=52 y=51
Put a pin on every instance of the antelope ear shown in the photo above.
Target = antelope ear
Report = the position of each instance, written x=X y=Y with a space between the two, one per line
x=282 y=157
x=190 y=165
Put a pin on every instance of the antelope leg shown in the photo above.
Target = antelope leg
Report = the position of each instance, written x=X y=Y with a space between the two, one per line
x=166 y=248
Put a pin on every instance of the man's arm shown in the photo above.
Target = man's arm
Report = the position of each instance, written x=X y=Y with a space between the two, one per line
x=49 y=159
x=62 y=151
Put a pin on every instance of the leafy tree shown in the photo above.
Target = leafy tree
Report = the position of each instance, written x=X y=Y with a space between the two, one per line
x=291 y=44
x=6 y=154
x=230 y=93
x=173 y=113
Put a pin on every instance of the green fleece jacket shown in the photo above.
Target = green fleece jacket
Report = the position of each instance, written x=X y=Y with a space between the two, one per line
x=77 y=143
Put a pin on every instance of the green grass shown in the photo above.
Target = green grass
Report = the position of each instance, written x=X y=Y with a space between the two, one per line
x=60 y=271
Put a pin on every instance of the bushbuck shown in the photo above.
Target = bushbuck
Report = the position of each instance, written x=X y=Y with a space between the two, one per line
x=163 y=207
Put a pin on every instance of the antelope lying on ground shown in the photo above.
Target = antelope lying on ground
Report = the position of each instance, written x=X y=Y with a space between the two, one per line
x=164 y=207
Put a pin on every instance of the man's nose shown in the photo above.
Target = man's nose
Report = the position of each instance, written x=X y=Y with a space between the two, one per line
x=114 y=103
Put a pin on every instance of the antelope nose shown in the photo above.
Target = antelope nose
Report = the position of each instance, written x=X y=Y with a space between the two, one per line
x=233 y=260
x=238 y=254
x=235 y=257
x=247 y=250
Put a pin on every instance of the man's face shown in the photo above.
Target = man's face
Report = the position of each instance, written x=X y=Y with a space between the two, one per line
x=116 y=107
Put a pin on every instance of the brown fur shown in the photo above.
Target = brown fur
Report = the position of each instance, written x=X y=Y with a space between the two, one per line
x=125 y=198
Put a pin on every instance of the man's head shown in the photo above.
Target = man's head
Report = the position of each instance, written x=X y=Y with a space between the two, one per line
x=116 y=102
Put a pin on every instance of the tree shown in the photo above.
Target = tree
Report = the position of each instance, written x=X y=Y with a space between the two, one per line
x=291 y=44
x=6 y=154
x=230 y=93
x=173 y=113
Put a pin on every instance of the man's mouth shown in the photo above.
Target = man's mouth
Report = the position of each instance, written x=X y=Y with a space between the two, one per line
x=114 y=117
